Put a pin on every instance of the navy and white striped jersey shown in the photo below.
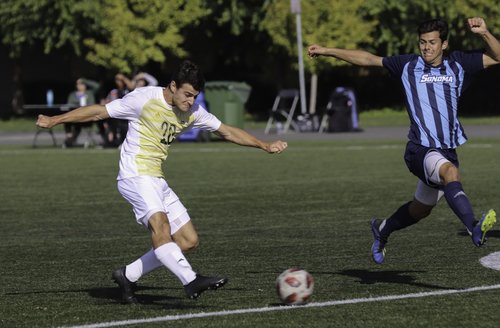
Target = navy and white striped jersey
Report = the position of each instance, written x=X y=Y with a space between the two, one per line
x=432 y=95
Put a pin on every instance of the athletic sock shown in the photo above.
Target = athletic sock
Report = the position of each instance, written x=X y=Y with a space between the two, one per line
x=459 y=203
x=142 y=266
x=170 y=255
x=399 y=220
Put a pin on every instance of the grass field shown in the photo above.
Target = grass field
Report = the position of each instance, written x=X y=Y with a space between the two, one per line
x=378 y=117
x=65 y=228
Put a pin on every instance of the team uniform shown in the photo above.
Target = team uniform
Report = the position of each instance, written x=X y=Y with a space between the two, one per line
x=432 y=95
x=153 y=126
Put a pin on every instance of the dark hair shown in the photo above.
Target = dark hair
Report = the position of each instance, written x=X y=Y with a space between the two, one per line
x=189 y=72
x=432 y=25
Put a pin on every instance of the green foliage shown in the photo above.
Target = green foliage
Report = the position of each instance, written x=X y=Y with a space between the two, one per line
x=335 y=23
x=138 y=31
x=397 y=21
x=127 y=34
x=52 y=23
x=119 y=34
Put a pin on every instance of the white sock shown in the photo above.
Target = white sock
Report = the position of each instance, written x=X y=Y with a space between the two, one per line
x=142 y=266
x=170 y=255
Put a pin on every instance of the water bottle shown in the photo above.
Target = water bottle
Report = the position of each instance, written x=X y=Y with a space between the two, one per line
x=279 y=128
x=50 y=97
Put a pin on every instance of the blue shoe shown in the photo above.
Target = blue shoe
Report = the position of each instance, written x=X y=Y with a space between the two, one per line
x=484 y=225
x=378 y=246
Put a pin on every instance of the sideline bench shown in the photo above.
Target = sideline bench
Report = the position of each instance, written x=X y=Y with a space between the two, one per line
x=51 y=110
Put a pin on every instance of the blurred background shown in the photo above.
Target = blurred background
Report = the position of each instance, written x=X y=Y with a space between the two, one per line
x=49 y=44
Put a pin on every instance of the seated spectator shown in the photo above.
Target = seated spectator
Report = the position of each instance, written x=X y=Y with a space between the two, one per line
x=82 y=96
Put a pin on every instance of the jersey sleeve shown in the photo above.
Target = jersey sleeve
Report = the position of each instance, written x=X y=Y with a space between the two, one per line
x=128 y=107
x=205 y=120
x=471 y=61
x=396 y=64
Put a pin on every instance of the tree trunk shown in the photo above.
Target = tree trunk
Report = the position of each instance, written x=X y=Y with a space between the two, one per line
x=17 y=96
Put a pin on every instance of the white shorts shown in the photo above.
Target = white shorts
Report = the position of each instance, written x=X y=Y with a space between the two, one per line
x=149 y=195
x=432 y=163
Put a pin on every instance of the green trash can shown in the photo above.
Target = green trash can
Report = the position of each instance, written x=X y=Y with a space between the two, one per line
x=226 y=100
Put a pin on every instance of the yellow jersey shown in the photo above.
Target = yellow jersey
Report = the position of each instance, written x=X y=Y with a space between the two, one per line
x=153 y=125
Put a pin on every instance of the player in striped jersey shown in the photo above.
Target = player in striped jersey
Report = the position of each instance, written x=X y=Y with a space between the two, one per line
x=433 y=82
x=156 y=117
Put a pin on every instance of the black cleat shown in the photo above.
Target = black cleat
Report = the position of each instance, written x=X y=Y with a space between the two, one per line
x=126 y=286
x=202 y=283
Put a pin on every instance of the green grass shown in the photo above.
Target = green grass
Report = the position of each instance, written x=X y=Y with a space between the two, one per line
x=65 y=228
x=379 y=117
x=22 y=124
x=393 y=117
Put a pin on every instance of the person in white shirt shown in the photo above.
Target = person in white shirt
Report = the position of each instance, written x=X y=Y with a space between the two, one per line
x=156 y=117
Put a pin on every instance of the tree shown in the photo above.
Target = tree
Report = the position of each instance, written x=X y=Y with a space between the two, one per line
x=397 y=21
x=115 y=34
x=335 y=23
x=134 y=32
x=53 y=24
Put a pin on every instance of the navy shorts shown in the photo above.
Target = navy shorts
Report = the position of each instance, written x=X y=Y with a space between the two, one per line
x=415 y=155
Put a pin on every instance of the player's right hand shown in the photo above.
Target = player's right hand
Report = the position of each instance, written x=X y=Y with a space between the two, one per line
x=44 y=122
x=276 y=147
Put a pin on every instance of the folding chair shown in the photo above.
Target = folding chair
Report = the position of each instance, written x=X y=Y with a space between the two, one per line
x=86 y=129
x=283 y=110
x=88 y=132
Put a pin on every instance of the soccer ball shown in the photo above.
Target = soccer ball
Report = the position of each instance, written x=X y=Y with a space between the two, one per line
x=295 y=286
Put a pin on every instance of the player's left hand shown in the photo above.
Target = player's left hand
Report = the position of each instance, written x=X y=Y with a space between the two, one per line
x=477 y=25
x=276 y=147
x=315 y=50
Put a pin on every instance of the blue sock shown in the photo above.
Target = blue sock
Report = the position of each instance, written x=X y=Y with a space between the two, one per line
x=459 y=203
x=399 y=220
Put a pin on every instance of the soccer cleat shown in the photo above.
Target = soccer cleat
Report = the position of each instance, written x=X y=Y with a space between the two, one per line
x=378 y=246
x=202 y=283
x=126 y=286
x=484 y=225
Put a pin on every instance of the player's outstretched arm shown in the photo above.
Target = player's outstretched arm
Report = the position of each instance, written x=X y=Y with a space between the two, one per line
x=243 y=138
x=79 y=115
x=355 y=57
x=492 y=55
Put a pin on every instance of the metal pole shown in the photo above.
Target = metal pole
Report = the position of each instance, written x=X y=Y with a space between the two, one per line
x=313 y=93
x=295 y=6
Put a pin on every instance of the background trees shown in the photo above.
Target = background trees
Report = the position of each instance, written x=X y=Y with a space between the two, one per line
x=251 y=41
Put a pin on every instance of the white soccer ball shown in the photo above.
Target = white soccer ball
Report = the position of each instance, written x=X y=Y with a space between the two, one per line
x=295 y=286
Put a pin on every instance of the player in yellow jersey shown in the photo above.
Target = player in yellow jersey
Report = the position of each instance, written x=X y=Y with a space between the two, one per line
x=156 y=116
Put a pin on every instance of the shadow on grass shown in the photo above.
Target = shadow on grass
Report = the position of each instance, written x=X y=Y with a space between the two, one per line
x=490 y=234
x=393 y=277
x=144 y=294
x=147 y=296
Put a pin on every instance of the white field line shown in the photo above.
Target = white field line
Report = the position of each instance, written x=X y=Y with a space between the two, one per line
x=285 y=308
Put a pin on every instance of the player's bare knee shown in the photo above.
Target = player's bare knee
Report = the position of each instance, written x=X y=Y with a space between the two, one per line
x=449 y=173
x=187 y=244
